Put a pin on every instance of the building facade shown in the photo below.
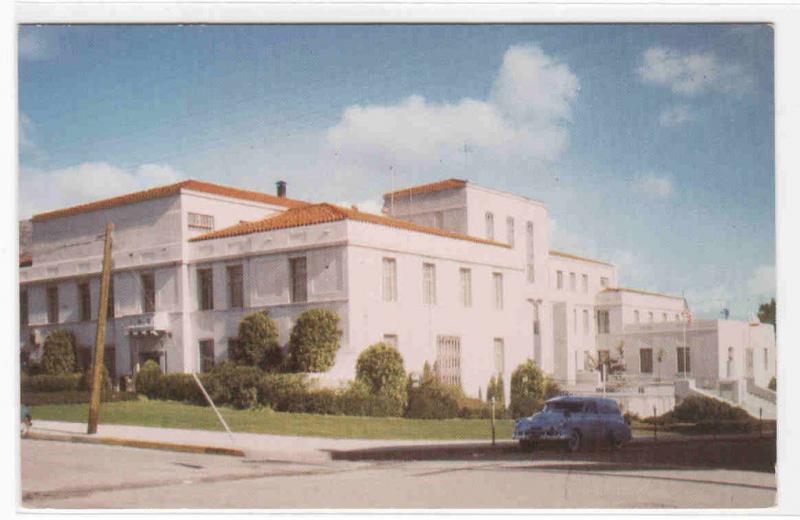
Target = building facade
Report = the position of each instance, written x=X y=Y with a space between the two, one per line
x=451 y=273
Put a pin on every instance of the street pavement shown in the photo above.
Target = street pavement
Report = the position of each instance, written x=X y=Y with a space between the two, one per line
x=64 y=475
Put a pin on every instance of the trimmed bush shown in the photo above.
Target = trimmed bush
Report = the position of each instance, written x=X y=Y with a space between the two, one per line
x=72 y=397
x=324 y=401
x=380 y=368
x=181 y=387
x=773 y=385
x=278 y=391
x=697 y=409
x=257 y=345
x=430 y=399
x=86 y=380
x=59 y=353
x=358 y=399
x=233 y=384
x=47 y=383
x=528 y=389
x=470 y=408
x=148 y=380
x=314 y=341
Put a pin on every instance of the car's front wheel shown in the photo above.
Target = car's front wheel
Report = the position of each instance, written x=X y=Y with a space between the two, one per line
x=574 y=442
x=614 y=442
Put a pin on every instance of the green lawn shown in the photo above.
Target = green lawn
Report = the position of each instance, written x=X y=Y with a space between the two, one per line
x=170 y=414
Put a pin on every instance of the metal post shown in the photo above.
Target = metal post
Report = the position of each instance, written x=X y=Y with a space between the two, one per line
x=100 y=335
x=760 y=422
x=493 y=429
x=655 y=425
x=210 y=402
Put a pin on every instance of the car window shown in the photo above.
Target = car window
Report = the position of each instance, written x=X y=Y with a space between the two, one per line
x=564 y=406
x=591 y=407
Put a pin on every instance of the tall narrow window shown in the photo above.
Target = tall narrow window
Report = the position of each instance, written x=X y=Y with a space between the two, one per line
x=603 y=281
x=148 y=292
x=603 y=322
x=466 y=287
x=572 y=286
x=489 y=226
x=299 y=279
x=110 y=309
x=636 y=316
x=235 y=286
x=529 y=252
x=684 y=360
x=52 y=304
x=575 y=321
x=428 y=284
x=646 y=360
x=650 y=317
x=499 y=357
x=585 y=283
x=205 y=289
x=206 y=355
x=390 y=340
x=84 y=301
x=559 y=280
x=586 y=322
x=498 y=290
x=438 y=220
x=664 y=317
x=389 y=280
x=766 y=359
x=23 y=310
x=510 y=231
x=448 y=360
x=535 y=319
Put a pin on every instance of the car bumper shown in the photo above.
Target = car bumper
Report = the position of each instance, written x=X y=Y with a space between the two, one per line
x=546 y=436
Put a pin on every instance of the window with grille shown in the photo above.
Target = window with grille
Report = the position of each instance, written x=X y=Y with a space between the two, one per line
x=84 y=301
x=603 y=322
x=299 y=279
x=429 y=284
x=499 y=356
x=235 y=286
x=684 y=360
x=148 y=292
x=510 y=231
x=448 y=360
x=205 y=289
x=389 y=280
x=52 y=304
x=206 y=355
x=200 y=221
x=466 y=287
x=646 y=360
x=498 y=290
x=489 y=226
x=531 y=273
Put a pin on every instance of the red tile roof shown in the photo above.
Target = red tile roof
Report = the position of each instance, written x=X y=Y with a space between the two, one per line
x=169 y=190
x=427 y=188
x=639 y=291
x=576 y=257
x=324 y=212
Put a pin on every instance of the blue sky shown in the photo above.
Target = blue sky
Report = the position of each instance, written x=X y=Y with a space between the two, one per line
x=652 y=145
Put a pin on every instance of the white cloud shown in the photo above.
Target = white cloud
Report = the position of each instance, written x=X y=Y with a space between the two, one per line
x=33 y=46
x=762 y=282
x=691 y=74
x=46 y=190
x=675 y=115
x=524 y=118
x=654 y=186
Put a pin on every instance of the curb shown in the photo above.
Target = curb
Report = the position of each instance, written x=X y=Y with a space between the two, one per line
x=131 y=443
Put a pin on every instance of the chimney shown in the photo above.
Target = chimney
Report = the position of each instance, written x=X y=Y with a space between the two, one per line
x=281 y=189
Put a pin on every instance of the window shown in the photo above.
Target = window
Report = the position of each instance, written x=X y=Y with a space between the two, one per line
x=110 y=309
x=586 y=330
x=766 y=358
x=466 y=287
x=575 y=321
x=438 y=220
x=572 y=286
x=198 y=221
x=489 y=226
x=510 y=231
x=297 y=266
x=205 y=288
x=650 y=317
x=646 y=360
x=499 y=357
x=206 y=355
x=559 y=280
x=390 y=340
x=448 y=360
x=603 y=281
x=585 y=283
x=148 y=292
x=389 y=286
x=429 y=284
x=84 y=301
x=23 y=310
x=677 y=317
x=602 y=322
x=664 y=317
x=52 y=304
x=636 y=316
x=235 y=286
x=498 y=290
x=535 y=319
x=684 y=360
x=531 y=273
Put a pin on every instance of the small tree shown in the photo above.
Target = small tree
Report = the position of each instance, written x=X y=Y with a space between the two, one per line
x=59 y=353
x=429 y=398
x=773 y=384
x=314 y=341
x=380 y=367
x=615 y=366
x=766 y=312
x=496 y=389
x=528 y=385
x=257 y=345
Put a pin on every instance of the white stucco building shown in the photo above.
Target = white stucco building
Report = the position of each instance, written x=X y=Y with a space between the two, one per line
x=452 y=273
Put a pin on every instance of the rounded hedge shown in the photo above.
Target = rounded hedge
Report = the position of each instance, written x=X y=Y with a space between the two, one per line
x=528 y=389
x=314 y=341
x=257 y=345
x=59 y=353
x=380 y=367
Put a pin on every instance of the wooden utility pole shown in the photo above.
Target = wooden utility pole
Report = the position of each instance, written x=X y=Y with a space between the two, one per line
x=100 y=336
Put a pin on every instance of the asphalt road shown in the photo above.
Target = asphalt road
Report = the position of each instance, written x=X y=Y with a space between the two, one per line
x=64 y=476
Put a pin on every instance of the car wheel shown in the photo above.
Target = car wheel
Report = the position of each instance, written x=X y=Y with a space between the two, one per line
x=574 y=442
x=526 y=445
x=613 y=442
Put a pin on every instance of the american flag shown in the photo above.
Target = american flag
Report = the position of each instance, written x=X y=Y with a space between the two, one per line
x=687 y=313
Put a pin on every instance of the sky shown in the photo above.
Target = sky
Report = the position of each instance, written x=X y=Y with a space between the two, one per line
x=652 y=145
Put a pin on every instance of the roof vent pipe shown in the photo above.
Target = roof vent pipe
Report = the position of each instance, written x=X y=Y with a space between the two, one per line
x=281 y=189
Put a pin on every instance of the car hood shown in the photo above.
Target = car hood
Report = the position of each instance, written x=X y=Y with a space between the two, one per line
x=541 y=420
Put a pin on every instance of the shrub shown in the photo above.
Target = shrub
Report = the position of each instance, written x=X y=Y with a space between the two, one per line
x=470 y=408
x=358 y=399
x=380 y=367
x=324 y=401
x=496 y=389
x=59 y=353
x=233 y=384
x=86 y=380
x=773 y=385
x=551 y=388
x=314 y=341
x=72 y=397
x=430 y=399
x=698 y=408
x=148 y=380
x=47 y=383
x=279 y=391
x=528 y=389
x=257 y=345
x=181 y=387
